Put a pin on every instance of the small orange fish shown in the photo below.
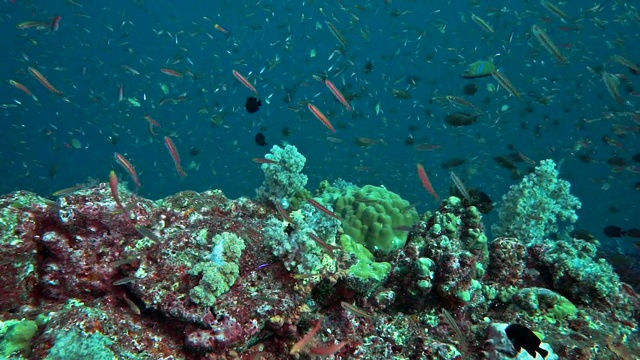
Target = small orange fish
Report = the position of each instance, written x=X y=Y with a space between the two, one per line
x=425 y=181
x=126 y=164
x=113 y=185
x=151 y=121
x=221 y=29
x=43 y=80
x=337 y=94
x=174 y=155
x=328 y=247
x=172 y=72
x=319 y=206
x=356 y=310
x=320 y=116
x=244 y=81
x=23 y=88
x=330 y=349
x=55 y=24
x=283 y=213
x=302 y=343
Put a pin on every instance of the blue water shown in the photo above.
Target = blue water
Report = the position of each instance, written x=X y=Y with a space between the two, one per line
x=271 y=43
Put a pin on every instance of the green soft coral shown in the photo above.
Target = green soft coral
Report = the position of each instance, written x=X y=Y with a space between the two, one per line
x=545 y=302
x=366 y=274
x=219 y=271
x=16 y=337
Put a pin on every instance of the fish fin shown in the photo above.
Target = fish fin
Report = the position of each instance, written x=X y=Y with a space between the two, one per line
x=543 y=352
x=531 y=352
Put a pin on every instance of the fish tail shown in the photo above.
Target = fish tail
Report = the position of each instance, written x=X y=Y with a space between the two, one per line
x=544 y=353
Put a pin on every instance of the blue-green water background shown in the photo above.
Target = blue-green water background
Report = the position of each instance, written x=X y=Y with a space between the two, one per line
x=429 y=40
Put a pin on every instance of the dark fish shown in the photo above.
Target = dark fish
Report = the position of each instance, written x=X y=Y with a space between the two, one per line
x=613 y=231
x=460 y=119
x=633 y=232
x=261 y=140
x=368 y=67
x=616 y=161
x=253 y=104
x=477 y=198
x=194 y=151
x=523 y=338
x=481 y=201
x=582 y=235
x=409 y=140
x=53 y=171
x=636 y=186
x=453 y=162
x=585 y=158
x=505 y=162
x=470 y=89
x=636 y=157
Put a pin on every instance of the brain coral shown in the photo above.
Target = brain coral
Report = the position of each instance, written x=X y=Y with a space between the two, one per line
x=373 y=216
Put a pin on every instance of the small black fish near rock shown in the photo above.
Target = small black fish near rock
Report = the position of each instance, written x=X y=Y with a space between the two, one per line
x=260 y=139
x=253 y=104
x=583 y=234
x=613 y=231
x=523 y=338
x=481 y=201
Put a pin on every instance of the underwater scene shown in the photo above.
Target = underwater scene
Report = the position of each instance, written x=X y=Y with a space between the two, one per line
x=383 y=179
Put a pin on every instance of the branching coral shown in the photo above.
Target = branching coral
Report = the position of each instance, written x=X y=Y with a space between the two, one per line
x=299 y=252
x=530 y=210
x=283 y=177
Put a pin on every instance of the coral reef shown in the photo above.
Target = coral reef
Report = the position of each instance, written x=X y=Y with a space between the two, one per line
x=200 y=276
x=575 y=271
